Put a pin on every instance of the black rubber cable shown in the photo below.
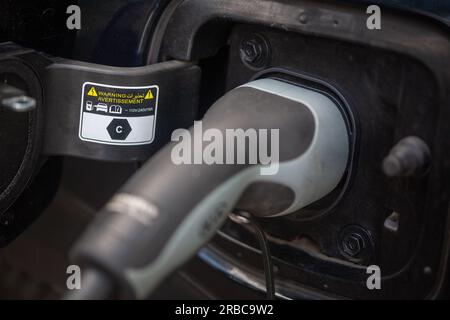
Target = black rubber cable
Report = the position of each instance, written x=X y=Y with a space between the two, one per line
x=265 y=252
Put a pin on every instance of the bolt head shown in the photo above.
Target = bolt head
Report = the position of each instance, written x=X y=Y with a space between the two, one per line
x=251 y=50
x=352 y=244
x=254 y=51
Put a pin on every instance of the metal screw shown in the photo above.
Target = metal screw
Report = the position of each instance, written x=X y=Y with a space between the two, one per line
x=255 y=51
x=252 y=50
x=355 y=243
x=352 y=244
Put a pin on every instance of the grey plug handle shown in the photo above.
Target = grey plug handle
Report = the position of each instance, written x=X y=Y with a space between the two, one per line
x=166 y=212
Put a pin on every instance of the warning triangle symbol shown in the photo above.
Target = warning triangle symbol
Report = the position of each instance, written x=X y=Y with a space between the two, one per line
x=149 y=95
x=92 y=92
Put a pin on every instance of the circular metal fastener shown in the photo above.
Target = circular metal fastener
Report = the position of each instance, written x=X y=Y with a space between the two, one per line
x=255 y=51
x=355 y=243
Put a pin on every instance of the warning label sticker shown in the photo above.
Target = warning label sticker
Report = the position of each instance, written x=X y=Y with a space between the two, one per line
x=118 y=115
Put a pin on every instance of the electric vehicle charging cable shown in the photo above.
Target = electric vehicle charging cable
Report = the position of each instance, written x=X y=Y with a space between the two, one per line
x=166 y=212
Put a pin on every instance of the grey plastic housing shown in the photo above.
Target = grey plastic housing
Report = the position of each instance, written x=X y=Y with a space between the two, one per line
x=167 y=212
